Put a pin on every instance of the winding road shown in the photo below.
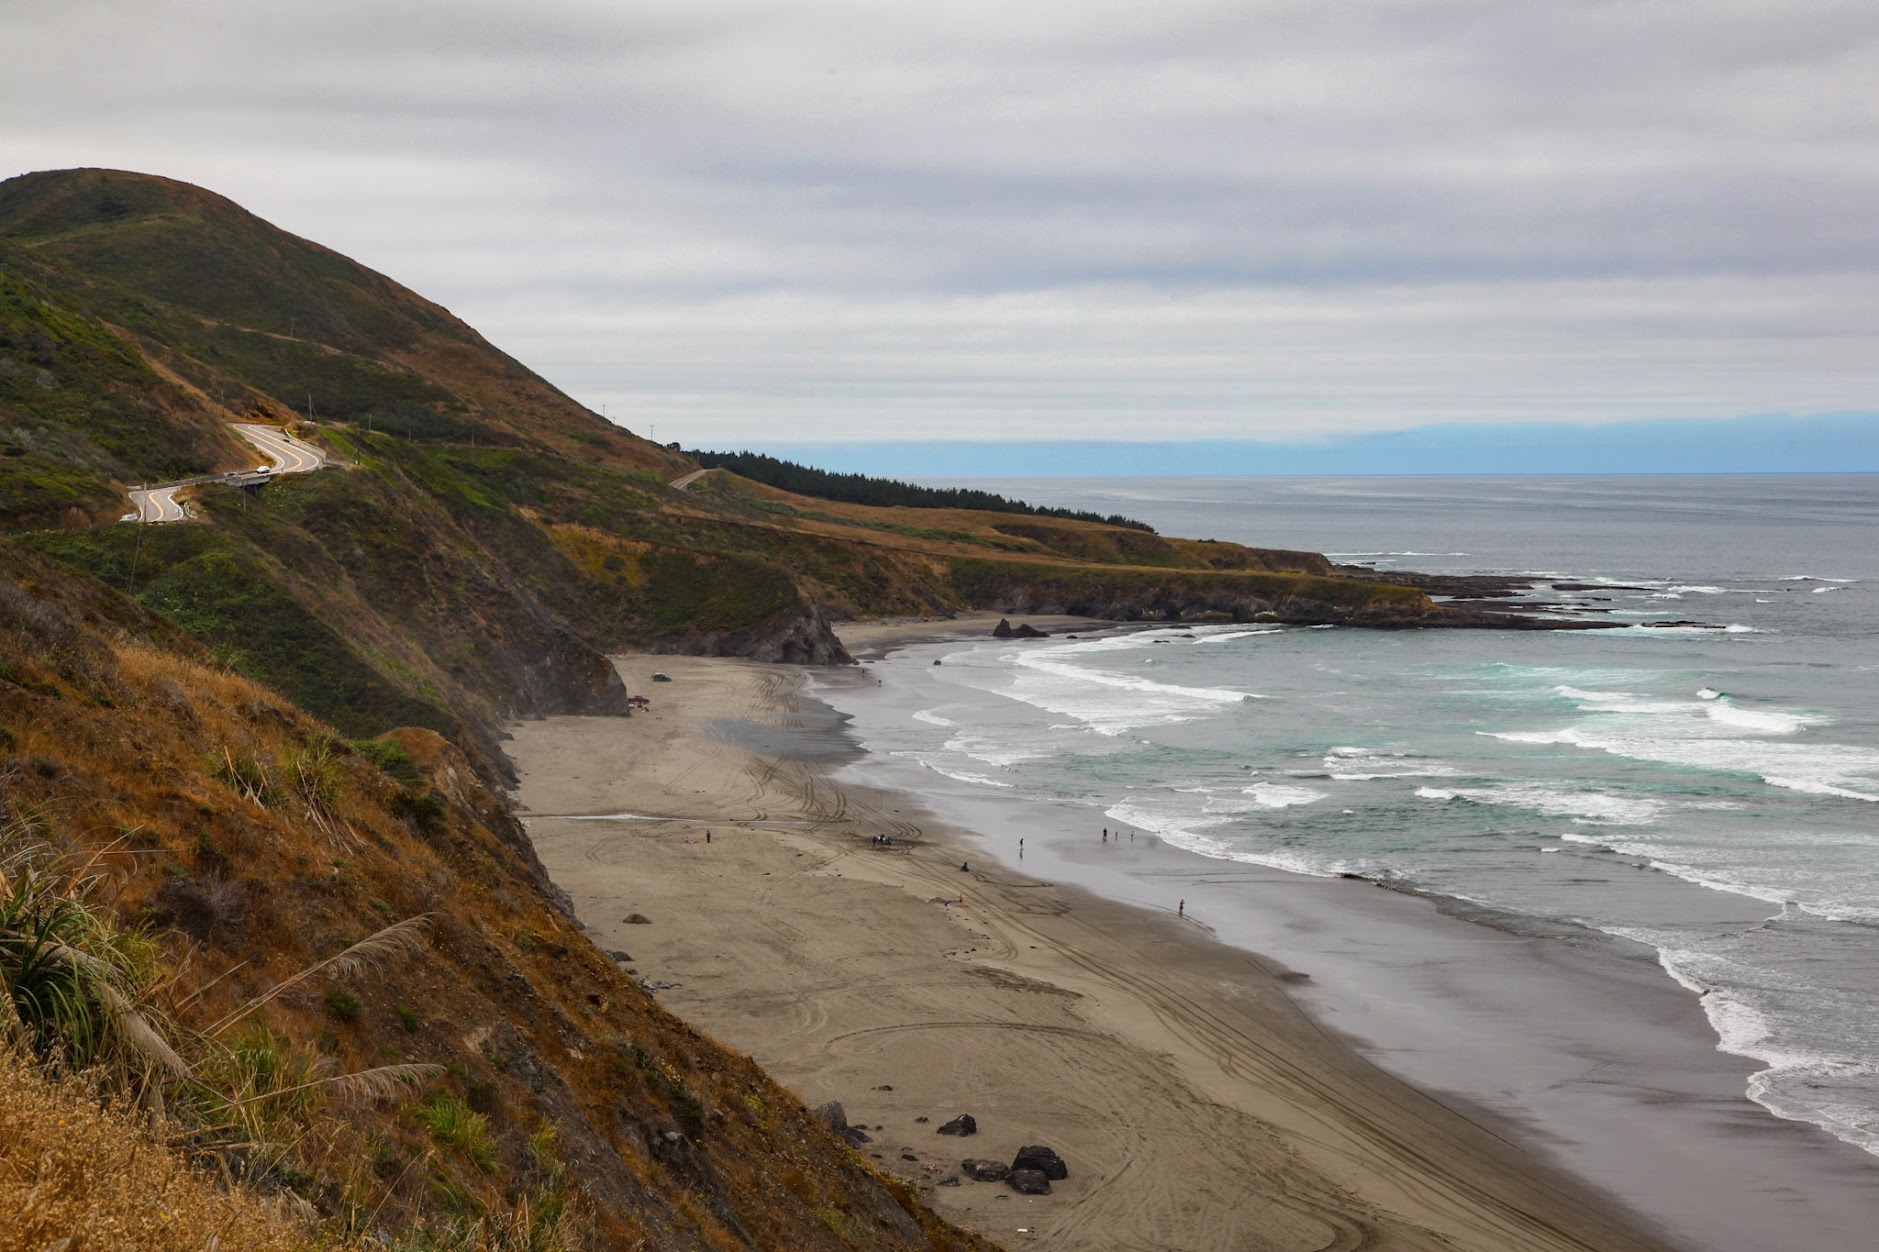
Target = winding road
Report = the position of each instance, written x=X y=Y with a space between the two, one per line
x=288 y=455
x=158 y=504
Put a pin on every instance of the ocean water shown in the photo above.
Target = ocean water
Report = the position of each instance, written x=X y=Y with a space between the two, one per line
x=1710 y=791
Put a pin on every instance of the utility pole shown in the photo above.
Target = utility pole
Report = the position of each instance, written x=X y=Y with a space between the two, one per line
x=136 y=559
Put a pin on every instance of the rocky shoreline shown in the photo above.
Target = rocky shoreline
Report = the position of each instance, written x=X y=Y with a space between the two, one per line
x=1481 y=600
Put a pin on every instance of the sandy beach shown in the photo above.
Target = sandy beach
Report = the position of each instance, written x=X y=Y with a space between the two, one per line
x=1196 y=1106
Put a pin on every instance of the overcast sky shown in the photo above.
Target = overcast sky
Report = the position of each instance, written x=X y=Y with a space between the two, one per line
x=747 y=222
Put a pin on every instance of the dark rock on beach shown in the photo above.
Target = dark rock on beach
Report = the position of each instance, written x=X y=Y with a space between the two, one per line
x=835 y=1117
x=1005 y=630
x=985 y=1171
x=964 y=1124
x=1029 y=1182
x=1042 y=1159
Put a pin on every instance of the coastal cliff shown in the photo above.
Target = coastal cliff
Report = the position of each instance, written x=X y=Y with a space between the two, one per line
x=341 y=972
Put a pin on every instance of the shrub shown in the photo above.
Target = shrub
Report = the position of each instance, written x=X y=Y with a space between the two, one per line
x=342 y=1004
x=453 y=1124
x=422 y=810
x=389 y=756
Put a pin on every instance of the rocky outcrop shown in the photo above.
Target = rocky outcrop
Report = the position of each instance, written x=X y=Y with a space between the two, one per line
x=800 y=635
x=1135 y=595
x=964 y=1124
x=985 y=1171
x=1005 y=630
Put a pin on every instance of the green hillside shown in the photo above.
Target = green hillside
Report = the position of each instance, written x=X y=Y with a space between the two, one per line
x=483 y=539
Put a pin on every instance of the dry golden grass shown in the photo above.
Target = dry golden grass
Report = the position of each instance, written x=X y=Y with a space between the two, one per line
x=78 y=1177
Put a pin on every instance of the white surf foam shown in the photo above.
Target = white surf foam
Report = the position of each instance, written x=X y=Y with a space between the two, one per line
x=1110 y=702
x=999 y=751
x=1713 y=732
x=1237 y=634
x=1795 y=1085
x=932 y=718
x=1189 y=831
x=1279 y=796
x=1618 y=701
x=1726 y=712
x=1586 y=808
x=947 y=770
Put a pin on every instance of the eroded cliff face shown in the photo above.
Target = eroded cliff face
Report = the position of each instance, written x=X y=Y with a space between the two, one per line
x=800 y=635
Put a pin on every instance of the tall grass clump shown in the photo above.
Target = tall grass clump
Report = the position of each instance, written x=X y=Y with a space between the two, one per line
x=312 y=775
x=74 y=986
x=247 y=775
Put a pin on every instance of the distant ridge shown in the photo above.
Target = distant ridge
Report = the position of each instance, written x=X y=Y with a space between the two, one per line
x=886 y=492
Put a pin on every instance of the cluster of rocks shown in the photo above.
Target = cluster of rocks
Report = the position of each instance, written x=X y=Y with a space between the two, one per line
x=1031 y=1171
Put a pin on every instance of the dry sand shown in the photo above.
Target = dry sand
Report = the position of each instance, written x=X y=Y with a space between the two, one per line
x=1197 y=1108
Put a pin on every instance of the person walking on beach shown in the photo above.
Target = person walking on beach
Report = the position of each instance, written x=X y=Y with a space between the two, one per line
x=1180 y=910
x=707 y=836
x=963 y=869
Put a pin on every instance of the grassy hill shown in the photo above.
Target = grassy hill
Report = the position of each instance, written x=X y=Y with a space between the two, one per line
x=257 y=744
x=486 y=538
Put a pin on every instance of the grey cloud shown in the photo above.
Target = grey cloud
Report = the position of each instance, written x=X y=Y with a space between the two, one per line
x=1324 y=216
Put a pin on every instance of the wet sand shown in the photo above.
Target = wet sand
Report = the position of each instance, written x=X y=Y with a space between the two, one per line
x=1197 y=1106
